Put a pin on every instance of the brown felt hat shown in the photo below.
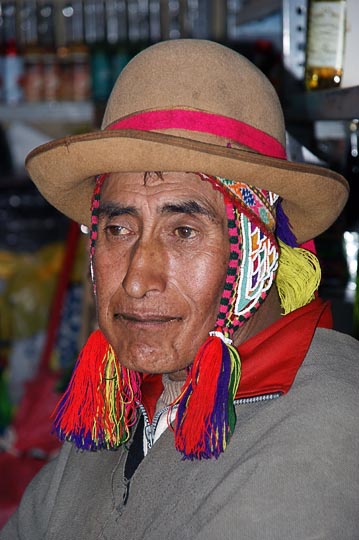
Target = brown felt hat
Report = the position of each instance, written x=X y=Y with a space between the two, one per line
x=190 y=105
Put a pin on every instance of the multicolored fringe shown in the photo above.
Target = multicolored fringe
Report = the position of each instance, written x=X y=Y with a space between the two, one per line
x=99 y=405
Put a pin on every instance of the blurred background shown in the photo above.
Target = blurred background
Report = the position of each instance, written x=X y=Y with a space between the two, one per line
x=58 y=62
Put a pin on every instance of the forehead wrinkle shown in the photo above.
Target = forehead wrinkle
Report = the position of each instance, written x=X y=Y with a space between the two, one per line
x=192 y=207
x=111 y=209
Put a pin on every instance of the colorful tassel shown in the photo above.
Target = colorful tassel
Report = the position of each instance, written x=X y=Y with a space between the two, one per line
x=298 y=277
x=206 y=416
x=99 y=405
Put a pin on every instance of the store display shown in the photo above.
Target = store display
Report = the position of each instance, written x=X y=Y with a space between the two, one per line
x=74 y=50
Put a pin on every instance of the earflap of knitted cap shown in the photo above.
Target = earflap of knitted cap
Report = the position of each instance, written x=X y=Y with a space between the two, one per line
x=99 y=406
x=206 y=414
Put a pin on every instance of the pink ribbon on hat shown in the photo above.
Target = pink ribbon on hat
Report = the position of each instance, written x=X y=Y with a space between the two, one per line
x=203 y=122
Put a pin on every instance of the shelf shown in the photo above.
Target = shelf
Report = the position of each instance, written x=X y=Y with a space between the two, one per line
x=66 y=111
x=336 y=104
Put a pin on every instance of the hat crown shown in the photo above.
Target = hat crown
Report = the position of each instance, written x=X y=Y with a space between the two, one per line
x=190 y=105
x=213 y=78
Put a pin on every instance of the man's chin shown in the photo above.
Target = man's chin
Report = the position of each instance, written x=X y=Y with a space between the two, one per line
x=152 y=358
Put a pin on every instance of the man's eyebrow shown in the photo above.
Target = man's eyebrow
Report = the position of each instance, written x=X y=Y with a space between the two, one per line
x=188 y=207
x=111 y=210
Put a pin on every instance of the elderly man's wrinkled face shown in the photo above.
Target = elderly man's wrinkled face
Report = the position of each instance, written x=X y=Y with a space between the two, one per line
x=160 y=264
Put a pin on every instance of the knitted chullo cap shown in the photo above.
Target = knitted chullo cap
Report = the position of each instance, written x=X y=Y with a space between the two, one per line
x=190 y=105
x=99 y=406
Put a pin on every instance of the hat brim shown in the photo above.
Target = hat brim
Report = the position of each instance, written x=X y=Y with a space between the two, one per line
x=64 y=172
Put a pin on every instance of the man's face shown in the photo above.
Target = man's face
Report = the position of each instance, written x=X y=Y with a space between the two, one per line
x=160 y=264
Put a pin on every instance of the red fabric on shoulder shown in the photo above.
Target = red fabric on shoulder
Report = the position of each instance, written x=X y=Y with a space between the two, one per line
x=272 y=358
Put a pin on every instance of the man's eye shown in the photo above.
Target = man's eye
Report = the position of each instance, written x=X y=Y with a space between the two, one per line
x=185 y=232
x=116 y=230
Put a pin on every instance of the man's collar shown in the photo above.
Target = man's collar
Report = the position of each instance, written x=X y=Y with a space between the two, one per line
x=272 y=358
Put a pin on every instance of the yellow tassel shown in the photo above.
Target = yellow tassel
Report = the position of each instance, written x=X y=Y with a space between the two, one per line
x=298 y=277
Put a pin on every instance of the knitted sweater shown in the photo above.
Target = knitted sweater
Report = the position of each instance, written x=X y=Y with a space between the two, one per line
x=290 y=471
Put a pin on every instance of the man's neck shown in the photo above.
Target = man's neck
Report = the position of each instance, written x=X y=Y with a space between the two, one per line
x=268 y=313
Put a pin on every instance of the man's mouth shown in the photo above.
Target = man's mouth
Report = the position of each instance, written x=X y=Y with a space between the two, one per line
x=146 y=319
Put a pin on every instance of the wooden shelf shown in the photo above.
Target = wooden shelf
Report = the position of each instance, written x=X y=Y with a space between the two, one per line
x=66 y=111
x=336 y=104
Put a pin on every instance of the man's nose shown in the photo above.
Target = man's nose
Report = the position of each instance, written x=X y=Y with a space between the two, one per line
x=146 y=269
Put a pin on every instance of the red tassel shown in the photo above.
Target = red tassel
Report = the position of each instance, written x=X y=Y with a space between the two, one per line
x=99 y=405
x=197 y=401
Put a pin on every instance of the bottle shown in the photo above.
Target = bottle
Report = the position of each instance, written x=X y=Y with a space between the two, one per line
x=100 y=62
x=138 y=25
x=63 y=53
x=154 y=20
x=13 y=66
x=325 y=44
x=74 y=55
x=117 y=36
x=47 y=41
x=31 y=51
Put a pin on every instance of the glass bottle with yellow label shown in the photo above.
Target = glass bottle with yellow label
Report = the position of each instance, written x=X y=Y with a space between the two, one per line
x=325 y=44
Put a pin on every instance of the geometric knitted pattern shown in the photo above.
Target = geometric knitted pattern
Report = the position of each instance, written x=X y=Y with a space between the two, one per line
x=253 y=262
x=259 y=205
x=258 y=269
x=254 y=251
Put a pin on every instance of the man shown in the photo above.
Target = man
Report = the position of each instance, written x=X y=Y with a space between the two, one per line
x=229 y=405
